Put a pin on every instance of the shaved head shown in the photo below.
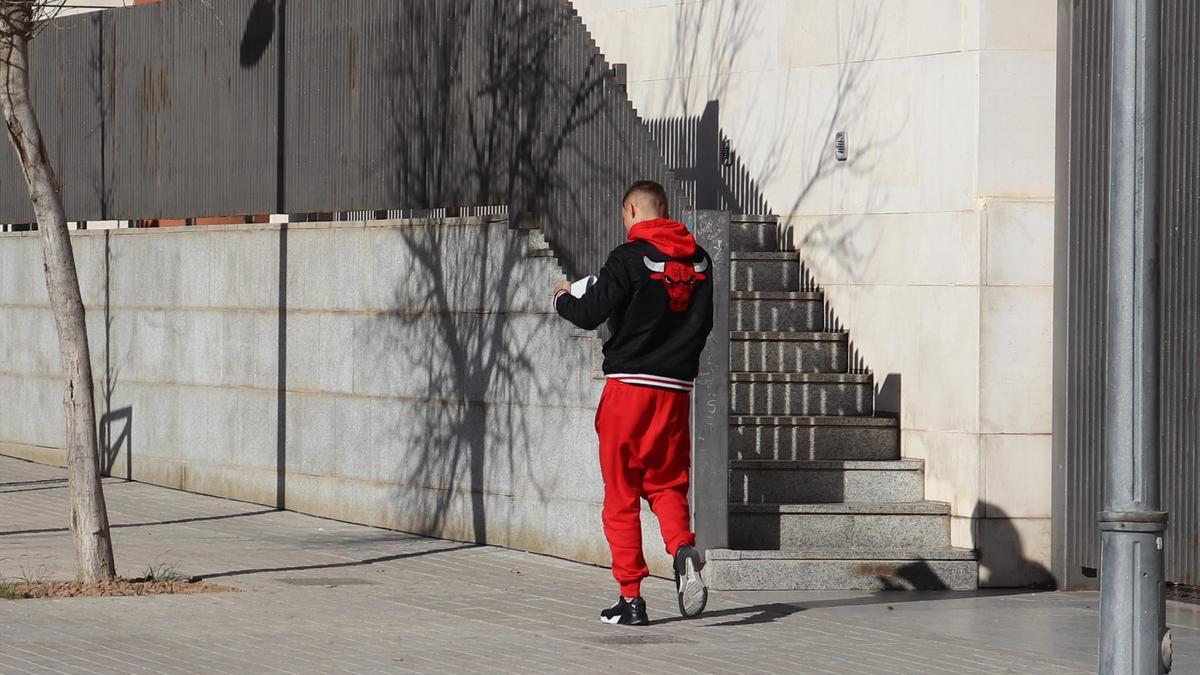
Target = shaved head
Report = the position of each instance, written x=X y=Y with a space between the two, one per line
x=648 y=198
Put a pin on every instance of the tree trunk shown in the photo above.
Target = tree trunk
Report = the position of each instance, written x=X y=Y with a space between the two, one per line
x=89 y=518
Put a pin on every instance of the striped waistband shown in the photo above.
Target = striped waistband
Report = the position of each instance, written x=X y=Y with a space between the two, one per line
x=651 y=381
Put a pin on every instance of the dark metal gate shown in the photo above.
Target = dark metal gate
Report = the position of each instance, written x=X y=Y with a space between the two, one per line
x=1080 y=240
x=182 y=109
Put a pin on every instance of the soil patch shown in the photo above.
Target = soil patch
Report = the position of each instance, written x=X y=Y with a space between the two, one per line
x=116 y=587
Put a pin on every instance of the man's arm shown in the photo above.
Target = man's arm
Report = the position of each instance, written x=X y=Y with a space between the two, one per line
x=611 y=288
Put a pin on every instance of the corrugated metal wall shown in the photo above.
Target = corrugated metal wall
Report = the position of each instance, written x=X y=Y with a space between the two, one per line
x=1180 y=313
x=67 y=88
x=1084 y=46
x=237 y=107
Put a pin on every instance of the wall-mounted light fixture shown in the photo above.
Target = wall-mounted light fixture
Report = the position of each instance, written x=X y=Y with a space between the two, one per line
x=839 y=146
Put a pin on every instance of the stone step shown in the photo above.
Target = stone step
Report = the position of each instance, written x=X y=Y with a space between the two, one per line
x=536 y=240
x=891 y=525
x=760 y=234
x=753 y=218
x=796 y=438
x=773 y=481
x=778 y=352
x=764 y=271
x=800 y=394
x=842 y=569
x=776 y=311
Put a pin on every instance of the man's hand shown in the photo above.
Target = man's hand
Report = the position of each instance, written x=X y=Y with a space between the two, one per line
x=562 y=286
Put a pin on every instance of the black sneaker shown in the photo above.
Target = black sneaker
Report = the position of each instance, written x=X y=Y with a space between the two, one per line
x=693 y=594
x=627 y=613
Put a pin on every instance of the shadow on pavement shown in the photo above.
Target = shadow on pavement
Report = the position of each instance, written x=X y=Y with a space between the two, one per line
x=18 y=483
x=180 y=521
x=757 y=614
x=326 y=566
x=32 y=489
x=769 y=612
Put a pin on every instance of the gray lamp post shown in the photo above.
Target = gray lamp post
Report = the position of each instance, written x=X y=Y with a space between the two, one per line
x=1133 y=635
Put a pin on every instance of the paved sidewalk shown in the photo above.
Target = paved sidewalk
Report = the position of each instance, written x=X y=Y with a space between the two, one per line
x=321 y=596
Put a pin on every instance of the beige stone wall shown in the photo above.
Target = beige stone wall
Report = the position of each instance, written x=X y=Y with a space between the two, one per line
x=933 y=241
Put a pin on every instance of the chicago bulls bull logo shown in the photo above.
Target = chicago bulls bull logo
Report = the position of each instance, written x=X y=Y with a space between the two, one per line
x=679 y=278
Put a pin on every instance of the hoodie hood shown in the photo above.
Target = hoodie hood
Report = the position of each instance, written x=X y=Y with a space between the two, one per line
x=668 y=236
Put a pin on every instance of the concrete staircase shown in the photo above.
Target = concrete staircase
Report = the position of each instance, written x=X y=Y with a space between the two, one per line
x=819 y=497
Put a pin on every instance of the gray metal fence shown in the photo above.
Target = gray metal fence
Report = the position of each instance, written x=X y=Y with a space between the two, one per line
x=184 y=109
x=1080 y=311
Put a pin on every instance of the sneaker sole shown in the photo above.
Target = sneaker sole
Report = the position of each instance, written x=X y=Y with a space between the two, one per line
x=693 y=593
x=616 y=621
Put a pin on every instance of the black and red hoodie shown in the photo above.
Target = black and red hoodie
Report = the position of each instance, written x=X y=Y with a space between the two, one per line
x=656 y=292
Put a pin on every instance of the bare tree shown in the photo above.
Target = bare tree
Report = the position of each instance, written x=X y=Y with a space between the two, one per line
x=19 y=19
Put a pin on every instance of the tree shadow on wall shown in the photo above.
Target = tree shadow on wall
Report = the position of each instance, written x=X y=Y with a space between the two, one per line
x=453 y=331
x=502 y=105
x=710 y=40
x=463 y=107
x=837 y=245
x=798 y=131
x=784 y=145
x=487 y=115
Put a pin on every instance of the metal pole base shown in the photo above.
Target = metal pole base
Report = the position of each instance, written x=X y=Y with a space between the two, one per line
x=1132 y=609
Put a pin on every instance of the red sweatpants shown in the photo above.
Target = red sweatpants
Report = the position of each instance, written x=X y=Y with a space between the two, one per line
x=645 y=452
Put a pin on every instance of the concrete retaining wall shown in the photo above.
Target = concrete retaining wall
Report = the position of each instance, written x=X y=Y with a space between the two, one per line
x=426 y=386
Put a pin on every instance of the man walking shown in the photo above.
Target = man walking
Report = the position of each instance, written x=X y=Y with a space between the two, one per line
x=656 y=293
